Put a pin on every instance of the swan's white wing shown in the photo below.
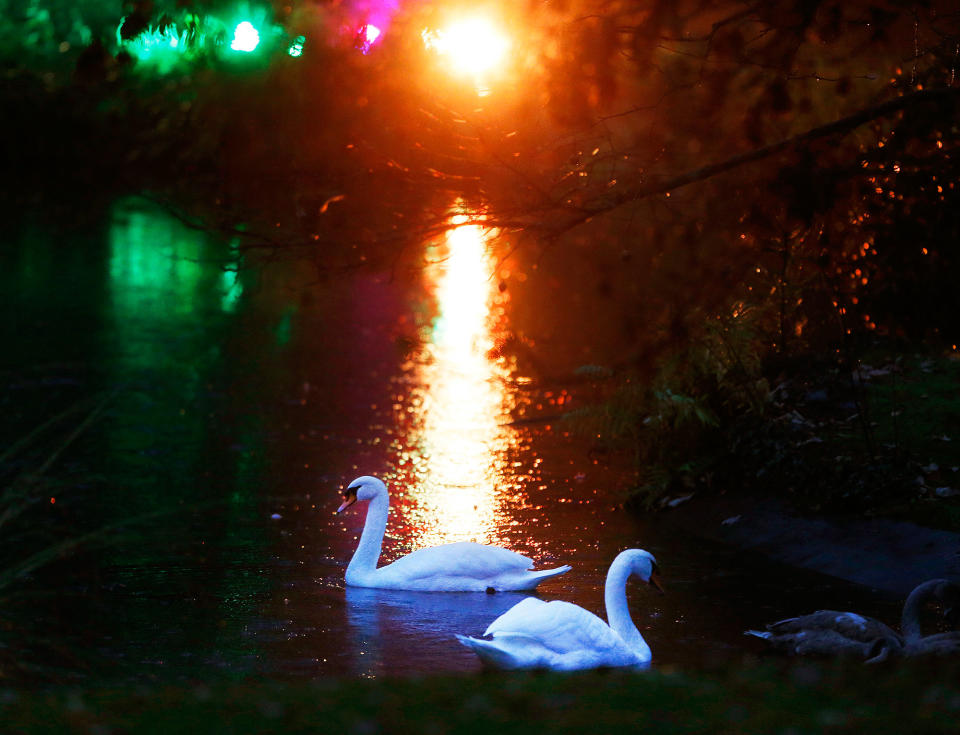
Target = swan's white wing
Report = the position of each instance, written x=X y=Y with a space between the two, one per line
x=463 y=559
x=560 y=626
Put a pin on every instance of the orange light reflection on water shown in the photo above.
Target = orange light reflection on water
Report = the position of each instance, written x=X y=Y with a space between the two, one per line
x=462 y=445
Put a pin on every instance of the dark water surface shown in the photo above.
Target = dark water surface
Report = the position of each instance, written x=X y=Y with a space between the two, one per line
x=243 y=403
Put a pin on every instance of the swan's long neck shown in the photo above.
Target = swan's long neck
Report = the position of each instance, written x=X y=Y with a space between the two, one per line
x=910 y=620
x=618 y=612
x=367 y=555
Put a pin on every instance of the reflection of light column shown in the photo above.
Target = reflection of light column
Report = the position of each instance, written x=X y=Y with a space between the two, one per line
x=463 y=402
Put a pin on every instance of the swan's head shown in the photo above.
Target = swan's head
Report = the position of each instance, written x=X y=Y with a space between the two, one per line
x=947 y=594
x=363 y=488
x=643 y=565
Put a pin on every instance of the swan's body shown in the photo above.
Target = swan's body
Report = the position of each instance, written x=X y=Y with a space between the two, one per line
x=458 y=567
x=830 y=642
x=830 y=632
x=849 y=625
x=565 y=637
x=938 y=644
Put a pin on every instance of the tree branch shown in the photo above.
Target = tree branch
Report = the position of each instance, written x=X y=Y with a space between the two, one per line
x=838 y=127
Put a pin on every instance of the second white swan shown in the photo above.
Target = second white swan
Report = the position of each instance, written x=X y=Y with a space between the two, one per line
x=562 y=636
x=457 y=567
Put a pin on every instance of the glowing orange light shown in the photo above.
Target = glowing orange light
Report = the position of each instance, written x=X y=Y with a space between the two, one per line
x=472 y=46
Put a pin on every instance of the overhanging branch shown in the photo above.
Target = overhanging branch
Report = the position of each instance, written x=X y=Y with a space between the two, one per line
x=838 y=127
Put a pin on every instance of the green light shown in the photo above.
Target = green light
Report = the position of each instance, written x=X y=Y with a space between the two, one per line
x=232 y=290
x=196 y=38
x=296 y=48
x=284 y=329
x=161 y=49
x=245 y=37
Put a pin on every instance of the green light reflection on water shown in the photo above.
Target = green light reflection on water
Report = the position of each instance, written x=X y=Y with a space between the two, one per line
x=168 y=311
x=159 y=266
x=232 y=290
x=284 y=327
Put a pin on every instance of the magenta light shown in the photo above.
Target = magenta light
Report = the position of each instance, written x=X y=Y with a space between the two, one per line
x=366 y=37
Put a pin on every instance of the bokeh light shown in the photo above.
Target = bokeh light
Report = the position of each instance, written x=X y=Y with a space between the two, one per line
x=246 y=37
x=296 y=48
x=367 y=36
x=473 y=46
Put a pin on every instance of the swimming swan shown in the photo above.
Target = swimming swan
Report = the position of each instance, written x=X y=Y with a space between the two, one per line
x=565 y=637
x=830 y=642
x=458 y=567
x=830 y=632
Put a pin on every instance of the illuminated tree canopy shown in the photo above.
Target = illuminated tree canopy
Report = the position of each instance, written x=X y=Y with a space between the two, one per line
x=706 y=151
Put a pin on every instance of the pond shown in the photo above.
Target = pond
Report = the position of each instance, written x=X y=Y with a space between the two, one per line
x=240 y=403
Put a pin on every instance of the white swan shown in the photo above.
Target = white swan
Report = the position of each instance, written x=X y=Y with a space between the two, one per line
x=458 y=567
x=565 y=637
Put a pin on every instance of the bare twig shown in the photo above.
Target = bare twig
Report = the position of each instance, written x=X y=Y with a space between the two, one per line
x=838 y=127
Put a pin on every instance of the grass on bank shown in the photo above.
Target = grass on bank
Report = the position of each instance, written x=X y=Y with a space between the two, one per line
x=880 y=436
x=795 y=697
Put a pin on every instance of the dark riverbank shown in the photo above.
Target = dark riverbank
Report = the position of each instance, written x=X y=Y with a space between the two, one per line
x=883 y=553
x=745 y=698
x=850 y=475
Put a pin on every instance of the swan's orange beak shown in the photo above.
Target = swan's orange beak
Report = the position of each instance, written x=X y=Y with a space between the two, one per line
x=656 y=582
x=349 y=498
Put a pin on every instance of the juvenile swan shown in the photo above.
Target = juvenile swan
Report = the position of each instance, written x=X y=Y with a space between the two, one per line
x=459 y=567
x=565 y=637
x=830 y=632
